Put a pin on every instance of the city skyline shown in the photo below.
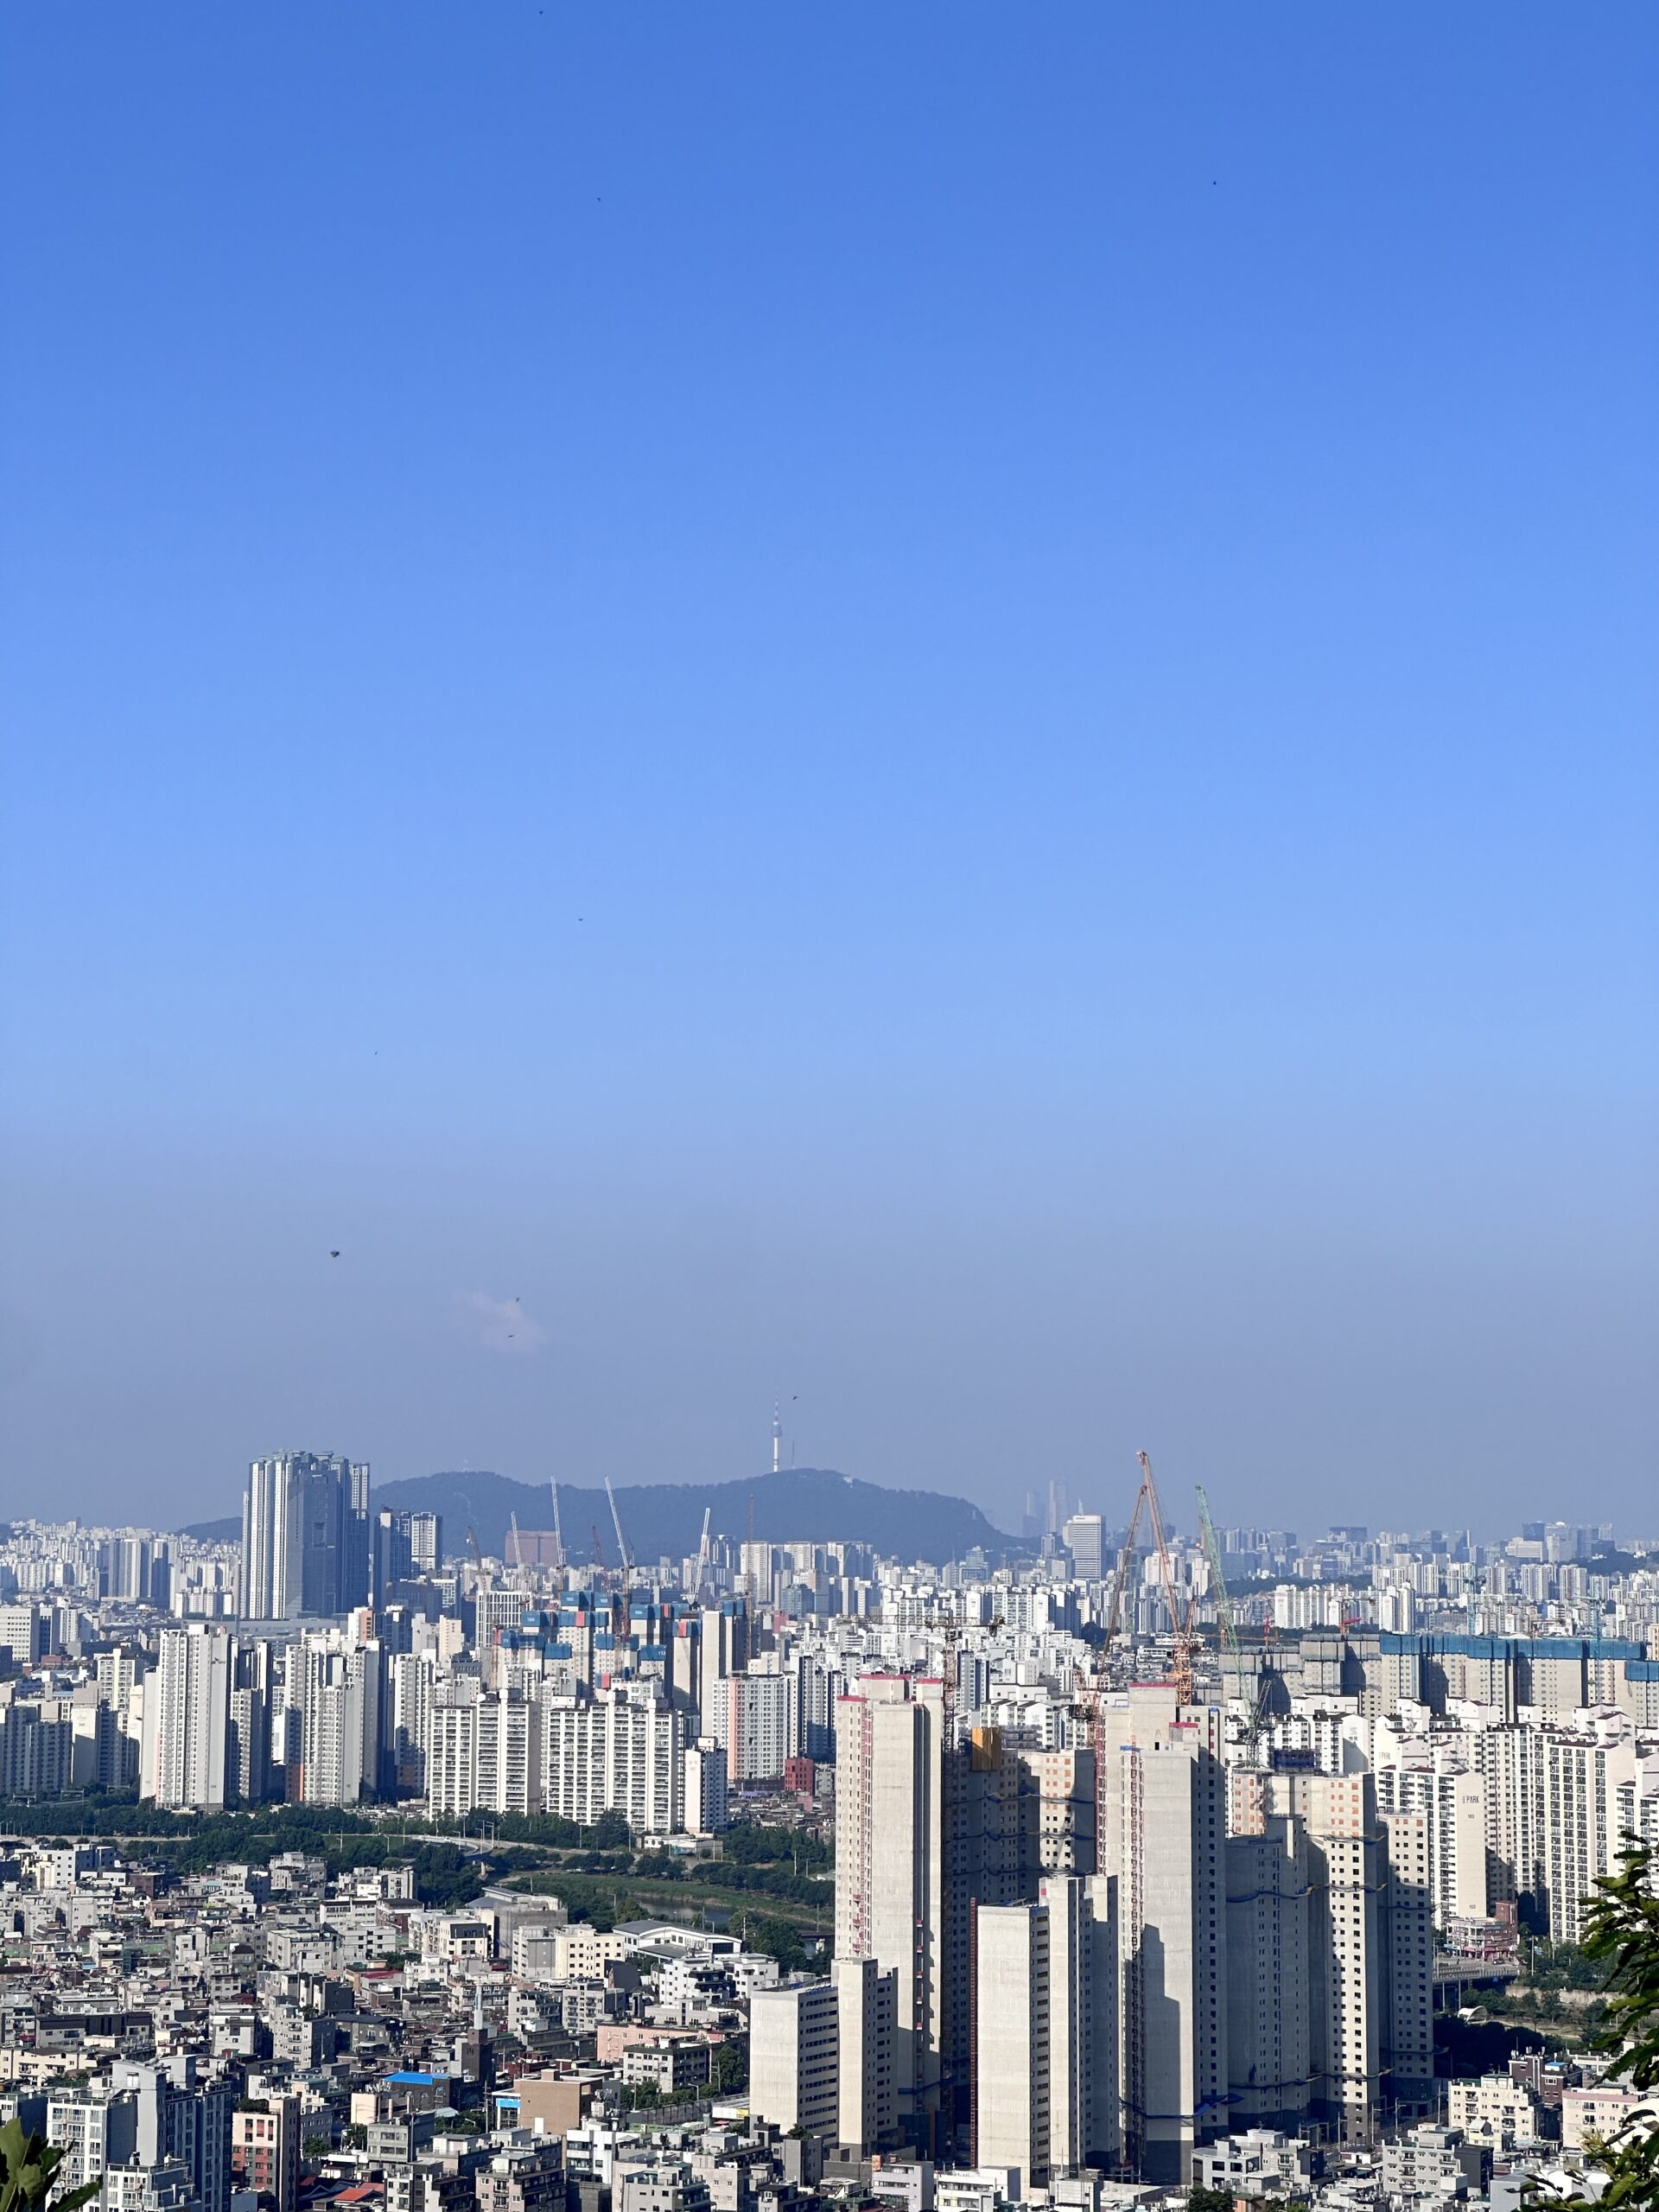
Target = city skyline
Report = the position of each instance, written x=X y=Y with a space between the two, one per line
x=1147 y=1881
x=828 y=1232
x=1098 y=1523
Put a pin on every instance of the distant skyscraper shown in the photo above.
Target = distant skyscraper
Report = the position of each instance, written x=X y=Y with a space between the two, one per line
x=394 y=1560
x=1084 y=1537
x=426 y=1541
x=305 y=1536
x=405 y=1545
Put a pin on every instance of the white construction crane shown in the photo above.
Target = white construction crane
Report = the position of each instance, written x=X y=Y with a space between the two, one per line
x=621 y=1544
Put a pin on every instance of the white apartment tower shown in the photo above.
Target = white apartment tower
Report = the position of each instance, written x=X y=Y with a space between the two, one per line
x=409 y=1679
x=889 y=1867
x=1408 y=1994
x=336 y=1687
x=451 y=1754
x=757 y=1726
x=1582 y=1780
x=484 y=1755
x=1453 y=1803
x=1045 y=2032
x=1346 y=1867
x=866 y=2105
x=1330 y=1956
x=187 y=1719
x=614 y=1755
x=794 y=2045
x=1162 y=1839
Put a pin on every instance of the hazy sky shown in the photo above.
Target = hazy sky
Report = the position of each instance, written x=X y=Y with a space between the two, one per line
x=947 y=709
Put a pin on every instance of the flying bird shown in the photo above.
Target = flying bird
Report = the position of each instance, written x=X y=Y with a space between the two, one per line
x=332 y=1253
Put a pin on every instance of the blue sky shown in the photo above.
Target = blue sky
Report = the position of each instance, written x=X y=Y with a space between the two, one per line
x=948 y=710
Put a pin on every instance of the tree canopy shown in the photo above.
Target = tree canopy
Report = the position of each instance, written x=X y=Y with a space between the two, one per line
x=1622 y=1935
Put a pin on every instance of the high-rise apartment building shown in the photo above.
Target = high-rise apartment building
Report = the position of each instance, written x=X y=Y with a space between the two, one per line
x=37 y=1749
x=794 y=2047
x=1346 y=1868
x=1408 y=2089
x=410 y=1678
x=705 y=1770
x=486 y=1755
x=22 y=1632
x=305 y=1536
x=1267 y=1998
x=1579 y=1840
x=184 y=1760
x=1452 y=1802
x=867 y=2111
x=134 y=1567
x=757 y=1726
x=890 y=1868
x=756 y=1572
x=1330 y=1953
x=336 y=1687
x=1162 y=1839
x=614 y=1755
x=1044 y=2042
x=196 y=2131
x=247 y=1773
x=814 y=1688
x=724 y=1650
x=927 y=1833
x=495 y=1610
